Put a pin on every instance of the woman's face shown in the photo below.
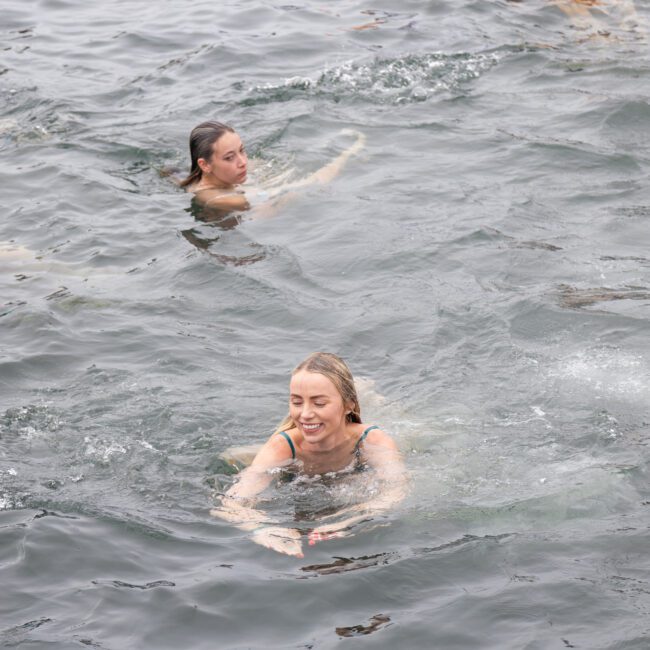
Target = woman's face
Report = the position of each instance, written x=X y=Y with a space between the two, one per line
x=228 y=163
x=316 y=406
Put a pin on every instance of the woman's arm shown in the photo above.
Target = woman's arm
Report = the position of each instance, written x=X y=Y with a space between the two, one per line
x=280 y=195
x=237 y=505
x=328 y=172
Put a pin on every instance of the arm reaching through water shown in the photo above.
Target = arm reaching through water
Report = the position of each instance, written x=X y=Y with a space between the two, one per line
x=276 y=196
x=237 y=505
x=329 y=172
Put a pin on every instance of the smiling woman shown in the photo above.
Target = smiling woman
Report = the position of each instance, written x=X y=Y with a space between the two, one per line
x=322 y=434
x=219 y=168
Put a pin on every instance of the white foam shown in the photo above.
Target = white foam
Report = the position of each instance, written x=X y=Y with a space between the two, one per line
x=410 y=77
x=608 y=373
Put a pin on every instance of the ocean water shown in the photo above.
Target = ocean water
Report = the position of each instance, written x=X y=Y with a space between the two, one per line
x=484 y=261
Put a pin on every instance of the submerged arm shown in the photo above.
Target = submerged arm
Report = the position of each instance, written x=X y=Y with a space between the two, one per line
x=280 y=195
x=329 y=171
x=238 y=504
x=220 y=200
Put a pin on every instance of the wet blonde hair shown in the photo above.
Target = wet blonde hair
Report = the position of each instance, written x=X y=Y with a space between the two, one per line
x=335 y=369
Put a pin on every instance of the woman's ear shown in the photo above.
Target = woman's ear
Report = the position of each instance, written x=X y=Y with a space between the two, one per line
x=204 y=165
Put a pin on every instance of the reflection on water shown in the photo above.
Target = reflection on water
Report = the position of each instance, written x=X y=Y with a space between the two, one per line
x=208 y=238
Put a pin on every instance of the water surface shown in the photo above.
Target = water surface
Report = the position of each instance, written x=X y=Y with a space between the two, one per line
x=484 y=260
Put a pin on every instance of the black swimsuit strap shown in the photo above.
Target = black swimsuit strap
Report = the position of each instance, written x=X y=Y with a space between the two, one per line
x=287 y=437
x=363 y=437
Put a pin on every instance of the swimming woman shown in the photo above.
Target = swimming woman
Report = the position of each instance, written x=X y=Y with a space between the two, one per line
x=322 y=434
x=219 y=168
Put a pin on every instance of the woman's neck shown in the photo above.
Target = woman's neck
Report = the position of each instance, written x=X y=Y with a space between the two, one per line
x=210 y=182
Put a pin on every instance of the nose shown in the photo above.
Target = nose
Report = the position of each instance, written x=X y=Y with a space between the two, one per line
x=242 y=160
x=307 y=412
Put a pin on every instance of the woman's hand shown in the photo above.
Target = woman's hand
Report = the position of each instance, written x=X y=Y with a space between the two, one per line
x=332 y=531
x=243 y=517
x=281 y=540
x=359 y=144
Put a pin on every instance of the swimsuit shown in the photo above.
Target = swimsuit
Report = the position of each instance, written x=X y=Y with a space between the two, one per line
x=357 y=447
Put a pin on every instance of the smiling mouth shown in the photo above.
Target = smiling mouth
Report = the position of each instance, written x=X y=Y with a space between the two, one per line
x=310 y=428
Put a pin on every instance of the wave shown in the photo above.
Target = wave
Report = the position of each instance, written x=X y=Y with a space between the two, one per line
x=404 y=79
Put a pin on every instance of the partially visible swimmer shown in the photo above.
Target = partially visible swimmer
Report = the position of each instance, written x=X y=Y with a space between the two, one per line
x=322 y=434
x=220 y=166
x=601 y=20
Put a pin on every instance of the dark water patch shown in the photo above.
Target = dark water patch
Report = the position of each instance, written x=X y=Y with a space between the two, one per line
x=15 y=636
x=11 y=306
x=621 y=258
x=224 y=250
x=466 y=539
x=344 y=564
x=636 y=211
x=375 y=623
x=574 y=298
x=125 y=585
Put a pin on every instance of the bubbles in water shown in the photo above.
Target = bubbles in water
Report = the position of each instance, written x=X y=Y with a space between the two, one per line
x=10 y=502
x=608 y=372
x=102 y=451
x=409 y=78
x=29 y=422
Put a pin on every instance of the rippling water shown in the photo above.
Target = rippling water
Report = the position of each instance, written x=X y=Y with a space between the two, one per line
x=484 y=261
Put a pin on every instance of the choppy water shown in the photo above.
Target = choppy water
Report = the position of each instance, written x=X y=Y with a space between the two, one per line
x=484 y=260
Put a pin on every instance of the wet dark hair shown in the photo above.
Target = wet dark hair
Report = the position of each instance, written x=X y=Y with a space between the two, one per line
x=202 y=139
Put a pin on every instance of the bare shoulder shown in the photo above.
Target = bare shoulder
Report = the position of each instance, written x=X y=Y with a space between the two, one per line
x=229 y=200
x=379 y=438
x=380 y=451
x=274 y=452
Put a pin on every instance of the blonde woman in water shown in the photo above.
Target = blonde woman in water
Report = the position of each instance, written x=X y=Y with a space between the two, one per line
x=322 y=434
x=219 y=169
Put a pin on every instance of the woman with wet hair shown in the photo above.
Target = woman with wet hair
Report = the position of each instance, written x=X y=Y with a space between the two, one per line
x=219 y=168
x=219 y=165
x=322 y=434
